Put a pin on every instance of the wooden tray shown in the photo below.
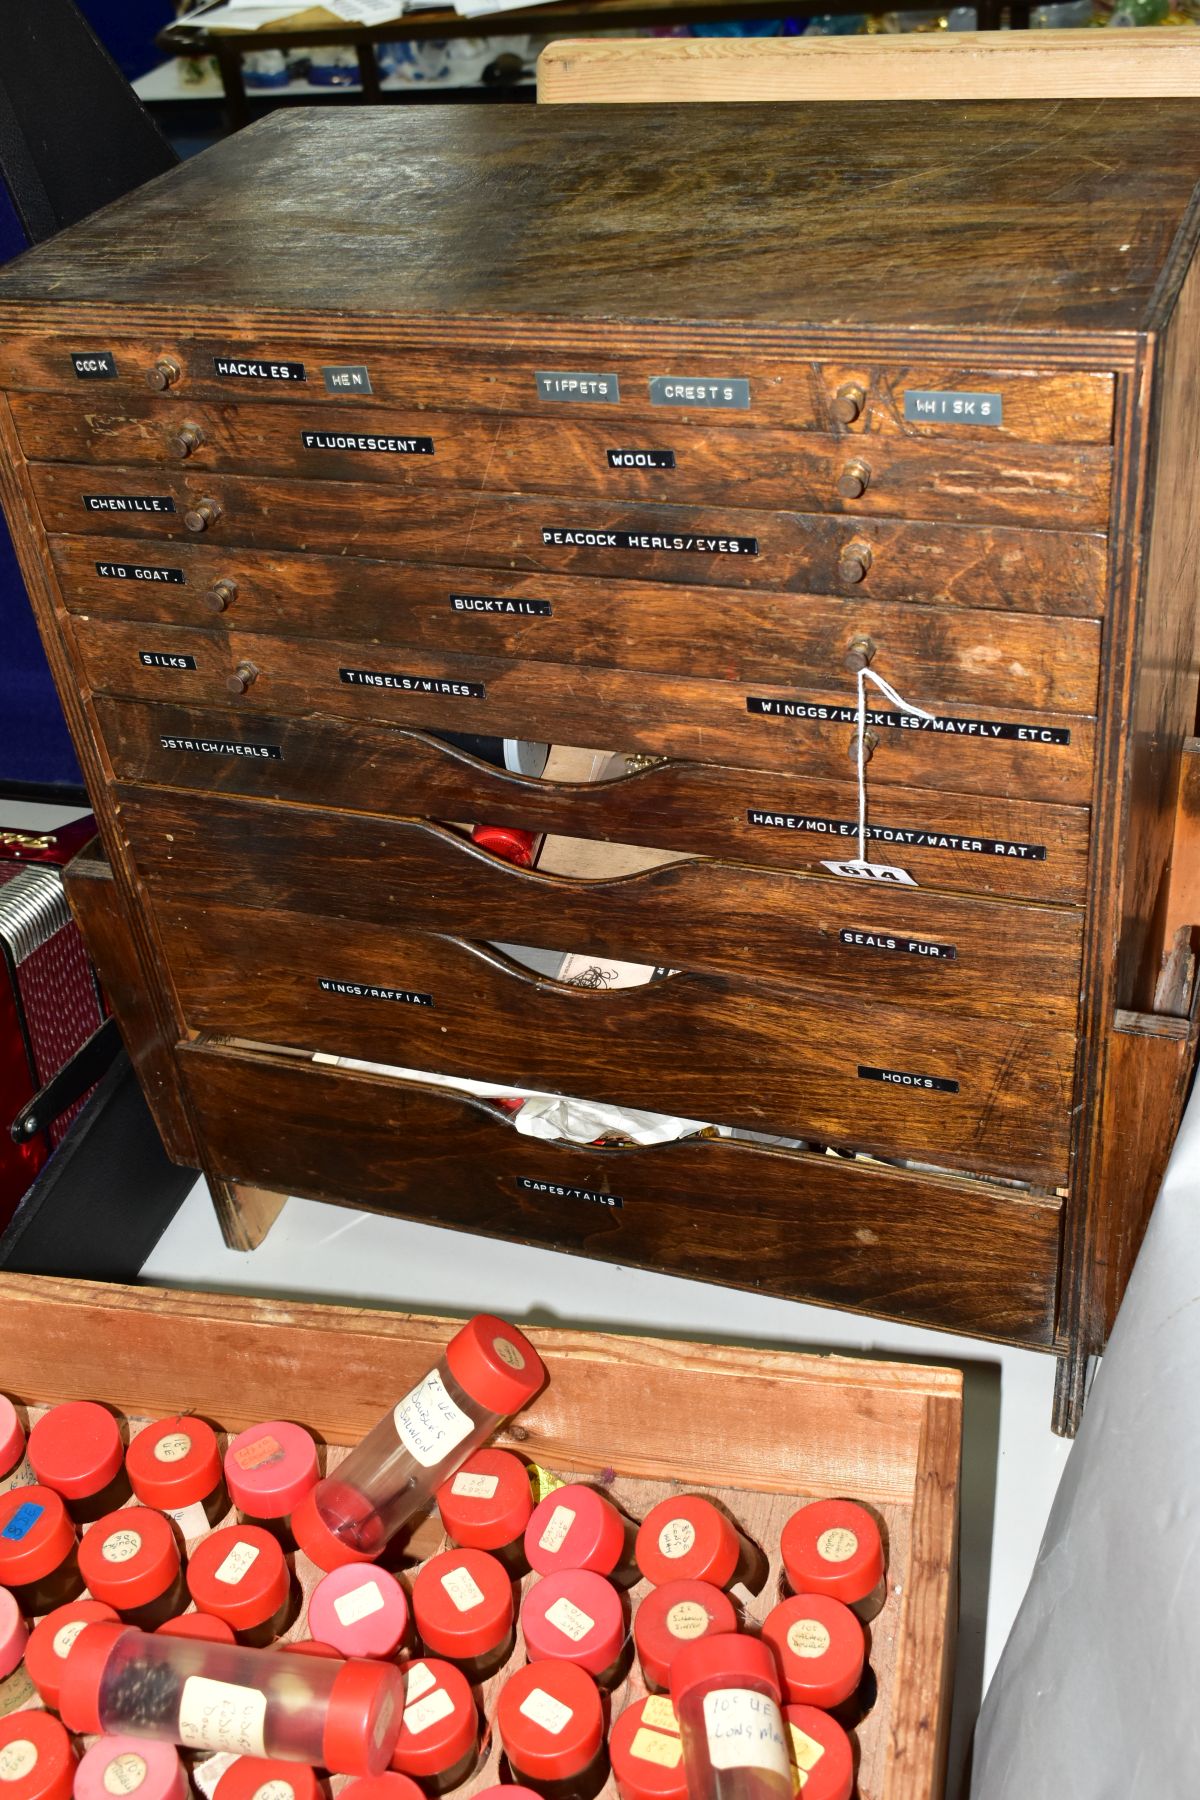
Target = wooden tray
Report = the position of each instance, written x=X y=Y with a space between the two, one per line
x=759 y=1429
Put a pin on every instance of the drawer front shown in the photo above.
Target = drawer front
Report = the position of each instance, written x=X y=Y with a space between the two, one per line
x=664 y=462
x=804 y=1227
x=1019 y=660
x=933 y=952
x=988 y=1095
x=808 y=728
x=1012 y=848
x=936 y=564
x=1053 y=407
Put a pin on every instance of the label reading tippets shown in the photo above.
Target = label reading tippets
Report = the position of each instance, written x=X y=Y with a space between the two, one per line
x=165 y=659
x=18 y=1759
x=63 y=1641
x=676 y=1538
x=557 y=1527
x=111 y=571
x=414 y=684
x=427 y=1712
x=259 y=1454
x=640 y=459
x=420 y=1679
x=659 y=1713
x=900 y=945
x=94 y=365
x=253 y=368
x=492 y=603
x=219 y=1715
x=653 y=1747
x=732 y=392
x=577 y=384
x=924 y=406
x=192 y=1520
x=22 y=1522
x=21 y=1476
x=648 y=540
x=359 y=1603
x=474 y=1487
x=221 y=747
x=570 y=1619
x=121 y=1546
x=126 y=503
x=427 y=1421
x=913 y=837
x=236 y=1565
x=347 y=378
x=363 y=440
x=744 y=1731
x=906 y=1078
x=528 y=1185
x=125 y=1773
x=172 y=1449
x=869 y=871
x=808 y=1638
x=546 y=1711
x=838 y=1544
x=463 y=1589
x=990 y=730
x=805 y=1751
x=274 y=1790
x=687 y=1620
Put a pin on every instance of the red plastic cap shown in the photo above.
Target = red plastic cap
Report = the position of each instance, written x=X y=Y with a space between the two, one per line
x=239 y=1574
x=131 y=1766
x=687 y=1539
x=313 y=1535
x=263 y=1778
x=463 y=1603
x=269 y=1469
x=76 y=1449
x=79 y=1683
x=129 y=1558
x=575 y=1528
x=646 y=1752
x=833 y=1547
x=310 y=1647
x=204 y=1626
x=819 y=1647
x=36 y=1758
x=360 y=1612
x=36 y=1535
x=675 y=1614
x=51 y=1642
x=821 y=1754
x=14 y=1634
x=511 y=1791
x=495 y=1364
x=12 y=1437
x=441 y=1725
x=391 y=1787
x=366 y=1707
x=574 y=1616
x=486 y=1504
x=174 y=1463
x=550 y=1720
x=727 y=1660
x=514 y=845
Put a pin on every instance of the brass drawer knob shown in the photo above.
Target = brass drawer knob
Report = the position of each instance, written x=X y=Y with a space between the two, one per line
x=848 y=402
x=189 y=437
x=162 y=374
x=854 y=559
x=221 y=594
x=854 y=478
x=202 y=515
x=870 y=745
x=243 y=677
x=860 y=653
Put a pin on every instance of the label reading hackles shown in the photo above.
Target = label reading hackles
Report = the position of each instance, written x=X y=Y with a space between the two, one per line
x=429 y=1424
x=254 y=368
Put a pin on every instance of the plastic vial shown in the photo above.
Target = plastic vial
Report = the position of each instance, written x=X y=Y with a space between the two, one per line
x=675 y=1614
x=463 y=1605
x=438 y=1744
x=14 y=1635
x=726 y=1693
x=37 y=1550
x=577 y=1528
x=359 y=1612
x=486 y=1505
x=51 y=1640
x=36 y=1758
x=335 y=1715
x=239 y=1574
x=258 y=1778
x=310 y=1647
x=819 y=1648
x=387 y=1787
x=130 y=1561
x=200 y=1625
x=129 y=1765
x=175 y=1466
x=551 y=1724
x=647 y=1753
x=688 y=1538
x=76 y=1449
x=488 y=1371
x=822 y=1755
x=14 y=1463
x=268 y=1470
x=576 y=1616
x=833 y=1547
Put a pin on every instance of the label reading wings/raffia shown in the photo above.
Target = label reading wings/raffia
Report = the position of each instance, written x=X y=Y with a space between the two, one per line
x=361 y=990
x=695 y=543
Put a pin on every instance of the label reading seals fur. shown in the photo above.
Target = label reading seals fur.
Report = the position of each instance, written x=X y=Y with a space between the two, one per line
x=898 y=944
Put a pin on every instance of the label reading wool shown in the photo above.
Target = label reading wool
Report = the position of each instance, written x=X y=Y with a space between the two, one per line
x=897 y=945
x=923 y=406
x=912 y=836
x=577 y=384
x=990 y=730
x=361 y=440
x=254 y=368
x=221 y=747
x=359 y=1603
x=492 y=603
x=744 y=1731
x=22 y=1522
x=236 y=1566
x=905 y=1078
x=94 y=365
x=676 y=1538
x=127 y=503
x=125 y=1773
x=121 y=1547
x=529 y=1186
x=570 y=1619
x=463 y=1589
x=220 y=1715
x=173 y=1448
x=347 y=378
x=111 y=571
x=808 y=1638
x=640 y=459
x=358 y=990
x=658 y=1712
x=546 y=1711
x=420 y=1679
x=474 y=1487
x=557 y=1527
x=838 y=1544
x=731 y=392
x=21 y=1476
x=18 y=1759
x=165 y=659
x=695 y=543
x=414 y=684
x=653 y=1746
x=429 y=1711
x=428 y=1423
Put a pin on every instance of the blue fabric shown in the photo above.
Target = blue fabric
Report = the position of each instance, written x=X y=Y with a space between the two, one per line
x=127 y=30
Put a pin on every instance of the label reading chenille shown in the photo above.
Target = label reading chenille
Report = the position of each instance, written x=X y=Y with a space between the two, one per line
x=221 y=747
x=347 y=378
x=528 y=1186
x=137 y=503
x=640 y=459
x=494 y=603
x=911 y=836
x=139 y=572
x=414 y=684
x=695 y=390
x=254 y=368
x=358 y=990
x=577 y=384
x=988 y=729
x=364 y=440
x=164 y=659
x=94 y=365
x=905 y=1078
x=899 y=945
x=924 y=406
x=649 y=540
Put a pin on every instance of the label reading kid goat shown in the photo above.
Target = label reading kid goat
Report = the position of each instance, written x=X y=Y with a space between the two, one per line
x=111 y=571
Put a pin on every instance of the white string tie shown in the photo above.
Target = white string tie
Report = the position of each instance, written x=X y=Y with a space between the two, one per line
x=901 y=705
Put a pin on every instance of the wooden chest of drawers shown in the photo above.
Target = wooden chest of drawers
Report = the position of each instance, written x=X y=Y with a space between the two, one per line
x=647 y=431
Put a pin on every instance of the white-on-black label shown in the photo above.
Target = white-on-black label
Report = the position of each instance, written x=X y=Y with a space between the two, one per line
x=362 y=440
x=347 y=378
x=924 y=406
x=649 y=540
x=577 y=384
x=94 y=365
x=495 y=603
x=896 y=943
x=222 y=747
x=257 y=368
x=129 y=503
x=528 y=1185
x=906 y=1078
x=990 y=730
x=640 y=459
x=358 y=990
x=139 y=572
x=897 y=834
x=414 y=684
x=165 y=659
x=700 y=390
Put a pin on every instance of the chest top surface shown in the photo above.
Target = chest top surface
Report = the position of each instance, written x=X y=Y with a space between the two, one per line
x=1044 y=217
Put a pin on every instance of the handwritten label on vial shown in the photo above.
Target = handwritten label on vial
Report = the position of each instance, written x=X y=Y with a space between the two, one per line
x=905 y=1078
x=676 y=1538
x=359 y=1603
x=428 y=1423
x=347 y=378
x=110 y=571
x=557 y=1527
x=808 y=1638
x=655 y=1747
x=731 y=392
x=261 y=1453
x=899 y=944
x=640 y=459
x=357 y=990
x=744 y=1731
x=508 y=1353
x=125 y=503
x=570 y=1619
x=17 y=1693
x=94 y=365
x=63 y=1641
x=659 y=1713
x=990 y=730
x=222 y=747
x=838 y=1544
x=546 y=1711
x=806 y=1753
x=18 y=1759
x=220 y=1715
x=173 y=1448
x=428 y=1711
x=686 y=1620
x=125 y=1773
x=121 y=1546
x=165 y=659
x=853 y=870
x=253 y=368
x=414 y=684
x=274 y=1790
x=493 y=603
x=463 y=1589
x=21 y=1476
x=192 y=1520
x=528 y=1185
x=577 y=384
x=923 y=406
x=237 y=1564
x=474 y=1487
x=695 y=543
x=22 y=1522
x=912 y=837
x=364 y=440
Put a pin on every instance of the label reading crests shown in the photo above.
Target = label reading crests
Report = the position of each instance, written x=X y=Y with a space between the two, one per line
x=164 y=659
x=649 y=540
x=640 y=459
x=414 y=684
x=924 y=405
x=347 y=378
x=492 y=603
x=357 y=990
x=897 y=834
x=903 y=946
x=906 y=1078
x=253 y=368
x=577 y=384
x=94 y=365
x=221 y=747
x=362 y=440
x=136 y=503
x=698 y=390
x=139 y=572
x=848 y=715
x=527 y=1185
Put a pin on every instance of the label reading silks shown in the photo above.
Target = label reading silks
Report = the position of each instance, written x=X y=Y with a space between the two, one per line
x=577 y=384
x=94 y=365
x=908 y=1079
x=165 y=659
x=111 y=571
x=924 y=406
x=700 y=390
x=429 y=1424
x=527 y=1185
x=254 y=368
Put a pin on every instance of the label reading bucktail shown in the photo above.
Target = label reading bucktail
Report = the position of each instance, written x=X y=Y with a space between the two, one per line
x=898 y=944
x=428 y=1423
x=640 y=459
x=731 y=392
x=347 y=378
x=414 y=684
x=577 y=384
x=493 y=603
x=869 y=871
x=359 y=990
x=906 y=1078
x=990 y=730
x=698 y=544
x=111 y=571
x=94 y=365
x=911 y=836
x=927 y=406
x=257 y=368
x=165 y=659
x=219 y=1715
x=528 y=1185
x=365 y=440
x=129 y=503
x=221 y=747
x=744 y=1731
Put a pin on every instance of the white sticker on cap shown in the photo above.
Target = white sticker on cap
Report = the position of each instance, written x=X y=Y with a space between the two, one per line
x=172 y=1449
x=546 y=1711
x=463 y=1589
x=221 y=1715
x=474 y=1487
x=192 y=1520
x=508 y=1352
x=207 y=1774
x=121 y=1546
x=241 y=1558
x=125 y=1773
x=744 y=1731
x=18 y=1759
x=687 y=1619
x=808 y=1638
x=838 y=1544
x=429 y=1424
x=420 y=1679
x=427 y=1712
x=806 y=1752
x=557 y=1527
x=570 y=1619
x=676 y=1538
x=275 y=1790
x=658 y=1712
x=653 y=1746
x=63 y=1640
x=359 y=1603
